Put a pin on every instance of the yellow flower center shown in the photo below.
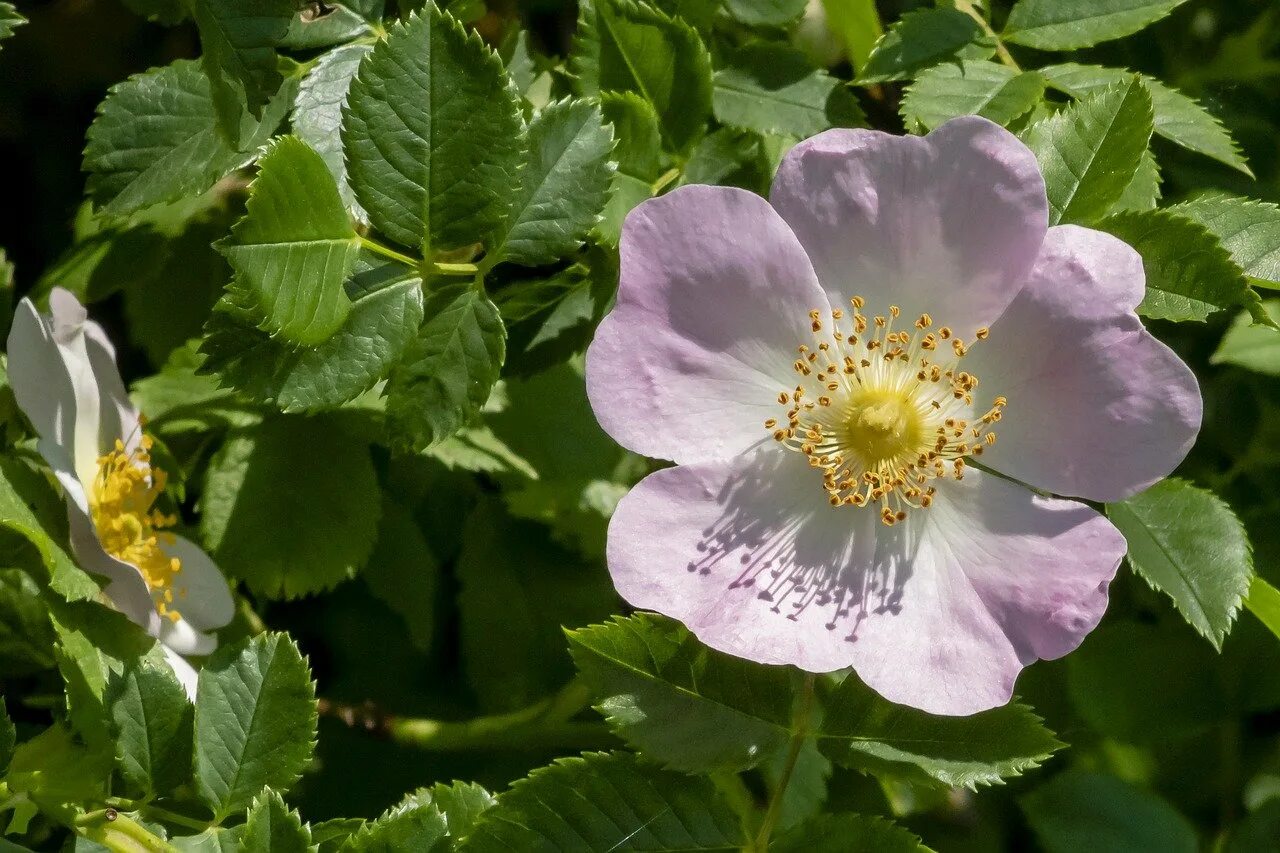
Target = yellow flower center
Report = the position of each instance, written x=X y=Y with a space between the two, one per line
x=881 y=413
x=121 y=503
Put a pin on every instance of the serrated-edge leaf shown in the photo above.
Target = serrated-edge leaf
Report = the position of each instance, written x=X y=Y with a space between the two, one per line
x=848 y=833
x=10 y=20
x=1251 y=345
x=237 y=40
x=1247 y=228
x=8 y=736
x=921 y=39
x=151 y=727
x=1067 y=25
x=272 y=827
x=773 y=88
x=1179 y=118
x=679 y=703
x=317 y=113
x=295 y=246
x=1090 y=151
x=1221 y=553
x=255 y=721
x=972 y=87
x=1264 y=602
x=564 y=186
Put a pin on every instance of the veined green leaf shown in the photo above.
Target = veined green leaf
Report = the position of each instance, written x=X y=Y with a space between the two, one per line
x=10 y=20
x=237 y=40
x=1071 y=24
x=972 y=87
x=403 y=572
x=564 y=186
x=151 y=723
x=255 y=721
x=1251 y=345
x=1187 y=543
x=1179 y=118
x=625 y=46
x=295 y=246
x=762 y=13
x=1248 y=229
x=1143 y=192
x=607 y=801
x=1264 y=602
x=1090 y=151
x=772 y=88
x=271 y=827
x=864 y=731
x=676 y=701
x=635 y=127
x=922 y=39
x=412 y=824
x=433 y=135
x=848 y=833
x=317 y=112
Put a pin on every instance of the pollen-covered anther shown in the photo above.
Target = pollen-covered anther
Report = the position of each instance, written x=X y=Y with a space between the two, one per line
x=882 y=415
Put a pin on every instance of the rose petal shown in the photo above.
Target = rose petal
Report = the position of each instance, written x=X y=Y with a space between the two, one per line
x=714 y=299
x=1098 y=408
x=945 y=224
x=201 y=594
x=941 y=612
x=39 y=378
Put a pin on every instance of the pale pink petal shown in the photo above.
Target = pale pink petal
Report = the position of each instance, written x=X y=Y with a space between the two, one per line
x=1098 y=408
x=714 y=299
x=945 y=224
x=940 y=612
x=200 y=591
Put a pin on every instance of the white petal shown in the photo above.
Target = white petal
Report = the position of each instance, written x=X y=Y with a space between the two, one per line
x=39 y=377
x=200 y=591
x=184 y=638
x=186 y=673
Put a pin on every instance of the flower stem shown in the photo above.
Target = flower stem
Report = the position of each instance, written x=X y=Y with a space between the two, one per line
x=1006 y=57
x=800 y=733
x=158 y=813
x=120 y=833
x=435 y=267
x=664 y=179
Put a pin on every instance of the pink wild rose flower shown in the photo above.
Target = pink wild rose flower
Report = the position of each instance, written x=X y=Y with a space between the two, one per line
x=825 y=367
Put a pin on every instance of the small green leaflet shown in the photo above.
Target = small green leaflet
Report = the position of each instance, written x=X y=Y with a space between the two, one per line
x=1252 y=346
x=1143 y=192
x=155 y=139
x=1187 y=543
x=271 y=827
x=676 y=701
x=255 y=722
x=847 y=833
x=447 y=372
x=10 y=20
x=291 y=506
x=1090 y=151
x=1189 y=275
x=1088 y=811
x=317 y=112
x=1248 y=229
x=754 y=13
x=564 y=186
x=864 y=731
x=607 y=801
x=433 y=135
x=238 y=39
x=403 y=572
x=625 y=46
x=295 y=246
x=1071 y=24
x=771 y=88
x=635 y=127
x=925 y=38
x=412 y=824
x=972 y=87
x=151 y=724
x=1178 y=117
x=1264 y=602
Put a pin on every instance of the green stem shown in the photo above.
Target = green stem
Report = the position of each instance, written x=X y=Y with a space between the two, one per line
x=664 y=179
x=159 y=813
x=800 y=732
x=1006 y=57
x=119 y=833
x=433 y=267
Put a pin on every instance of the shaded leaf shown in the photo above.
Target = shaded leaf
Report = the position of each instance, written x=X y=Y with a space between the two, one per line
x=1070 y=24
x=237 y=40
x=151 y=723
x=317 y=112
x=1249 y=230
x=1252 y=346
x=970 y=88
x=924 y=38
x=847 y=833
x=272 y=828
x=1104 y=814
x=772 y=88
x=403 y=572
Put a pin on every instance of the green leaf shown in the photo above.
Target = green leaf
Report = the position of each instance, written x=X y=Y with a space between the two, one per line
x=271 y=827
x=806 y=791
x=255 y=722
x=1178 y=117
x=1071 y=24
x=857 y=24
x=55 y=769
x=325 y=25
x=1190 y=276
x=625 y=46
x=291 y=506
x=1143 y=192
x=237 y=40
x=330 y=835
x=635 y=127
x=513 y=576
x=1090 y=151
x=1187 y=543
x=433 y=135
x=866 y=732
x=8 y=736
x=413 y=824
x=772 y=88
x=31 y=510
x=679 y=703
x=970 y=88
x=26 y=637
x=606 y=801
x=295 y=246
x=10 y=20
x=1264 y=602
x=386 y=310
x=151 y=721
x=847 y=833
x=462 y=803
x=564 y=186
x=403 y=572
x=922 y=39
x=317 y=112
x=730 y=157
x=477 y=449
x=1250 y=345
x=155 y=139
x=764 y=13
x=624 y=194
x=446 y=374
x=1089 y=811
x=1248 y=229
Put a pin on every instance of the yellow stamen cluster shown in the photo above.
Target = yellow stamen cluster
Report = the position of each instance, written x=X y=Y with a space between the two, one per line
x=882 y=412
x=122 y=504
